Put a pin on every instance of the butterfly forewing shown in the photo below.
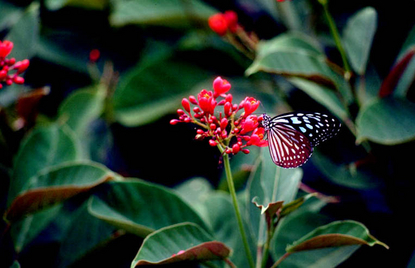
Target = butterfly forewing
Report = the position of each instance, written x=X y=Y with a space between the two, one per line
x=292 y=136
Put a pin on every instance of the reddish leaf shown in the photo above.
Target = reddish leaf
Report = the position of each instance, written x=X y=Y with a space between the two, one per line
x=390 y=82
x=27 y=105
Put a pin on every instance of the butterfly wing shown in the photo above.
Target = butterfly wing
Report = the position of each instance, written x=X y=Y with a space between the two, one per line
x=317 y=127
x=292 y=136
x=288 y=148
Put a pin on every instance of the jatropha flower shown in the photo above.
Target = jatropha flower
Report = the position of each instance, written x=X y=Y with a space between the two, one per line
x=221 y=23
x=9 y=68
x=229 y=129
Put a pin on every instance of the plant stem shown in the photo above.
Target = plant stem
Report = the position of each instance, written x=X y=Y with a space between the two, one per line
x=336 y=36
x=280 y=260
x=236 y=206
x=265 y=250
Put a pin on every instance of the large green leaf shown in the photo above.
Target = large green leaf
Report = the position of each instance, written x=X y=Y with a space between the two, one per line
x=299 y=223
x=345 y=174
x=24 y=34
x=82 y=107
x=140 y=207
x=155 y=88
x=268 y=185
x=26 y=229
x=387 y=121
x=43 y=147
x=171 y=13
x=83 y=234
x=297 y=56
x=195 y=191
x=335 y=234
x=87 y=4
x=177 y=243
x=9 y=14
x=323 y=95
x=358 y=36
x=56 y=184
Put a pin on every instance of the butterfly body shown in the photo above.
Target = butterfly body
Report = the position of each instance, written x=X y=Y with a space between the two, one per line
x=292 y=136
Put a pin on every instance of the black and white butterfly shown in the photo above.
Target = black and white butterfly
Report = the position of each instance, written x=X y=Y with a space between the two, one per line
x=292 y=136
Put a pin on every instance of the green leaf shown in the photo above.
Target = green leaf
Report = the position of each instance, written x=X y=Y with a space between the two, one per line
x=87 y=4
x=56 y=184
x=43 y=147
x=140 y=207
x=387 y=121
x=82 y=107
x=9 y=14
x=299 y=223
x=195 y=191
x=180 y=242
x=222 y=219
x=296 y=56
x=323 y=95
x=24 y=34
x=345 y=174
x=358 y=36
x=25 y=230
x=268 y=185
x=170 y=13
x=295 y=204
x=335 y=234
x=83 y=234
x=154 y=88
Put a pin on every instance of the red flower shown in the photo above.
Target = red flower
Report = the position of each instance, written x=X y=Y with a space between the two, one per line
x=5 y=48
x=249 y=124
x=94 y=55
x=250 y=105
x=206 y=101
x=218 y=24
x=227 y=130
x=221 y=86
x=232 y=19
x=9 y=68
x=257 y=138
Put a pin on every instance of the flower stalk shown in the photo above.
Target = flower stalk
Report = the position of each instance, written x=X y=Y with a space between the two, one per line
x=337 y=39
x=232 y=192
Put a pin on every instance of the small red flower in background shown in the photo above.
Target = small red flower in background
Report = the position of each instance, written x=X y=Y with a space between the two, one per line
x=94 y=55
x=227 y=129
x=221 y=23
x=9 y=68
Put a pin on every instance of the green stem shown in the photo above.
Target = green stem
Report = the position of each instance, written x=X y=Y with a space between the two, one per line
x=236 y=206
x=265 y=250
x=336 y=36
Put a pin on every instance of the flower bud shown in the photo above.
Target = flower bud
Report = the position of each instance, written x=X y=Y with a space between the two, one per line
x=223 y=123
x=174 y=121
x=212 y=143
x=218 y=24
x=186 y=104
x=192 y=99
x=235 y=148
x=227 y=109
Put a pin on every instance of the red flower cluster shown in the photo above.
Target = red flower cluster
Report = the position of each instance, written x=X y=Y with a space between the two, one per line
x=221 y=23
x=8 y=65
x=227 y=131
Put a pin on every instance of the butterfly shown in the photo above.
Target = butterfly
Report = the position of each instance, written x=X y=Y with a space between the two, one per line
x=292 y=136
